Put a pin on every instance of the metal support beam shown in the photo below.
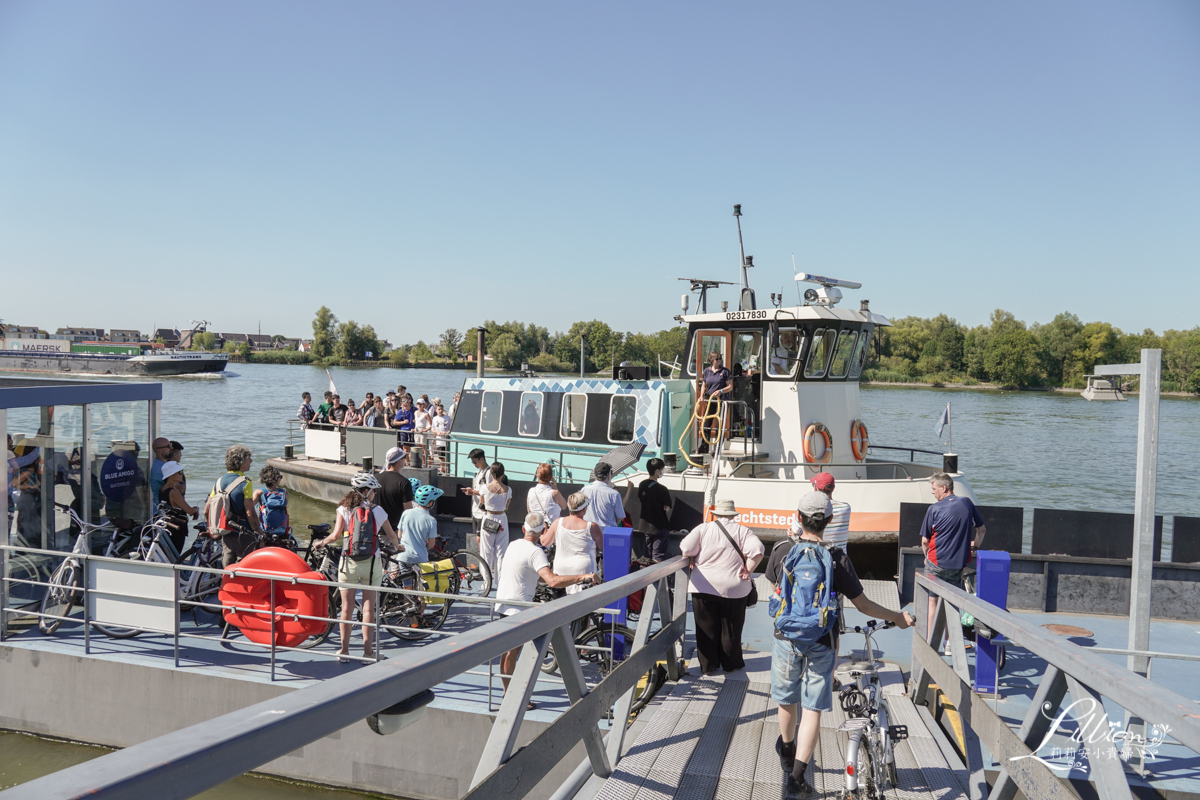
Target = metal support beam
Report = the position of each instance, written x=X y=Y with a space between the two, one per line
x=576 y=686
x=503 y=737
x=666 y=615
x=1035 y=726
x=616 y=739
x=1103 y=760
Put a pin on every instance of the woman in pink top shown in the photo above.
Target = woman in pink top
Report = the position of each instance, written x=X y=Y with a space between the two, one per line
x=720 y=583
x=353 y=415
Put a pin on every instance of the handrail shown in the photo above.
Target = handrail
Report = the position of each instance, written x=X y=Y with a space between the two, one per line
x=206 y=754
x=911 y=450
x=897 y=464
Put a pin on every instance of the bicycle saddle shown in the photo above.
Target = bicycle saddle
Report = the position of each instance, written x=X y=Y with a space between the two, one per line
x=321 y=529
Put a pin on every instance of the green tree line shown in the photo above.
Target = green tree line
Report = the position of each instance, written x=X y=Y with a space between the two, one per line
x=1008 y=352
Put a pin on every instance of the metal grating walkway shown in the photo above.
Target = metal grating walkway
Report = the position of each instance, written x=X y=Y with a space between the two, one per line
x=714 y=739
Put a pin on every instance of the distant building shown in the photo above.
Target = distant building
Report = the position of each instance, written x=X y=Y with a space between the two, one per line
x=82 y=334
x=305 y=346
x=238 y=339
x=124 y=336
x=170 y=336
x=285 y=344
x=260 y=341
x=19 y=331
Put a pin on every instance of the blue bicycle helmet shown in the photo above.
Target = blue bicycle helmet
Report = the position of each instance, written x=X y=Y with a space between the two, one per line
x=416 y=483
x=428 y=494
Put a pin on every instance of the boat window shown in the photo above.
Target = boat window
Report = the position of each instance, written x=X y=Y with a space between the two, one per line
x=818 y=357
x=787 y=351
x=531 y=414
x=621 y=416
x=574 y=412
x=840 y=364
x=860 y=353
x=708 y=342
x=489 y=412
x=747 y=352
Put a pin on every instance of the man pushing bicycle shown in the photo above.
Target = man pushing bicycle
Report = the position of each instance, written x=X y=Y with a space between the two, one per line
x=808 y=578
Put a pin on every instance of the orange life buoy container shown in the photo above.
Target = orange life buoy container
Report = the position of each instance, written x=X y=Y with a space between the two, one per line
x=250 y=601
x=859 y=441
x=814 y=430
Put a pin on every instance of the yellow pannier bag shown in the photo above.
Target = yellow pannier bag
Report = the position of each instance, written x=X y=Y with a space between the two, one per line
x=436 y=576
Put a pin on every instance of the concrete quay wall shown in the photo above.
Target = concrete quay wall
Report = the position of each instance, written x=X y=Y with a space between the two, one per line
x=118 y=704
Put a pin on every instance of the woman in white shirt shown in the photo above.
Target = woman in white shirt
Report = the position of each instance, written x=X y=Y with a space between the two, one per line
x=368 y=572
x=576 y=541
x=422 y=424
x=494 y=498
x=440 y=425
x=544 y=498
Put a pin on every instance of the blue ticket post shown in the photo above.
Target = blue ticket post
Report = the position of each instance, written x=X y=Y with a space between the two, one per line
x=618 y=553
x=991 y=585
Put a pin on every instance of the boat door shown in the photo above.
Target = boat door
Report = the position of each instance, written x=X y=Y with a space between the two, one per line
x=707 y=342
x=746 y=365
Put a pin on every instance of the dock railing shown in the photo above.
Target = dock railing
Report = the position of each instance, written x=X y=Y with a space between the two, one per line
x=1087 y=677
x=193 y=759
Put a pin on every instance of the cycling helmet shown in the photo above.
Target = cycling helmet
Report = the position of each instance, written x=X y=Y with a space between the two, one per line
x=428 y=494
x=364 y=481
x=416 y=483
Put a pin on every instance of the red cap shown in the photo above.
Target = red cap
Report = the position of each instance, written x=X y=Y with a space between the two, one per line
x=822 y=481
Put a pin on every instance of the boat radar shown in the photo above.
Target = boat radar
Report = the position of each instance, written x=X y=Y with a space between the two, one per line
x=828 y=294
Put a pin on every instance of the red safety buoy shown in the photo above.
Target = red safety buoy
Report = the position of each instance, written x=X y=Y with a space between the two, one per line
x=250 y=605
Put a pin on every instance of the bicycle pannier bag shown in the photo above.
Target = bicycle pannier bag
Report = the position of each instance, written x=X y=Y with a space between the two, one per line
x=803 y=606
x=365 y=537
x=220 y=515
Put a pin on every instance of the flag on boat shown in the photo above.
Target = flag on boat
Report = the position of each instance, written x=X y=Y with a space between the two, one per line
x=333 y=388
x=943 y=421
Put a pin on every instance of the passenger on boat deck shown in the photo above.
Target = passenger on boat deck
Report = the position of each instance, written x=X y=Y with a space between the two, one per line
x=441 y=429
x=493 y=529
x=524 y=563
x=404 y=422
x=483 y=476
x=950 y=532
x=656 y=511
x=604 y=502
x=376 y=417
x=531 y=418
x=337 y=414
x=353 y=416
x=716 y=382
x=368 y=401
x=454 y=405
x=234 y=546
x=162 y=452
x=837 y=532
x=395 y=490
x=544 y=498
x=422 y=420
x=305 y=413
x=324 y=408
x=174 y=506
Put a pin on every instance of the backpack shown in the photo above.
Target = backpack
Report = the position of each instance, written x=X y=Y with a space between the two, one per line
x=803 y=606
x=226 y=506
x=272 y=511
x=364 y=537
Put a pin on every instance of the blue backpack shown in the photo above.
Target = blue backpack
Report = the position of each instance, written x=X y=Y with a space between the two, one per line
x=803 y=606
x=272 y=511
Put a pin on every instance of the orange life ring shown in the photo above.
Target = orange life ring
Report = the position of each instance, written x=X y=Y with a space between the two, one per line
x=809 y=434
x=251 y=596
x=859 y=440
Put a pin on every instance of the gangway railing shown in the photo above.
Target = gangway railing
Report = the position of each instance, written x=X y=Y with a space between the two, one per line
x=1087 y=677
x=199 y=757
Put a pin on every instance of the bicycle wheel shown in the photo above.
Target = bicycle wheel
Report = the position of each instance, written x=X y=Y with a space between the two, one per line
x=61 y=595
x=867 y=786
x=655 y=679
x=412 y=618
x=474 y=575
x=335 y=609
x=23 y=568
x=603 y=647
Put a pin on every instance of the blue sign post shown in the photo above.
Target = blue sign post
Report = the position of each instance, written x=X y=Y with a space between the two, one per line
x=991 y=585
x=618 y=553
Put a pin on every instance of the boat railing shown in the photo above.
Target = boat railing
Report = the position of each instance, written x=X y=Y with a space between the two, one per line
x=753 y=466
x=1089 y=678
x=912 y=451
x=392 y=694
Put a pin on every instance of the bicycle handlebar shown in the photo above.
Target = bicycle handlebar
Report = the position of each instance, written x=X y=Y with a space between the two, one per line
x=874 y=625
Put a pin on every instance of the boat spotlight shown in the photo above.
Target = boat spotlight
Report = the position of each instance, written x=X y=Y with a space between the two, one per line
x=810 y=295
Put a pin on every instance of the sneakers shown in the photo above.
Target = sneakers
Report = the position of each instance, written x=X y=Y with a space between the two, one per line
x=793 y=788
x=787 y=754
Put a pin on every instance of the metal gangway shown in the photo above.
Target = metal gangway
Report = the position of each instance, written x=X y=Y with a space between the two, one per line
x=709 y=738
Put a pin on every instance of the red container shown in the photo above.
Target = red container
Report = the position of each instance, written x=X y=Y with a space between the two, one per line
x=247 y=591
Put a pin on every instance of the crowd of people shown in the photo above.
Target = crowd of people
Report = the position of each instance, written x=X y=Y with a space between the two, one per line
x=421 y=422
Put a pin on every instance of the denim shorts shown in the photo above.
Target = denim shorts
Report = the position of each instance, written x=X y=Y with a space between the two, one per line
x=950 y=576
x=802 y=674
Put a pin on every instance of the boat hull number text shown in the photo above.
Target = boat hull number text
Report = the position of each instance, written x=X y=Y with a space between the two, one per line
x=745 y=314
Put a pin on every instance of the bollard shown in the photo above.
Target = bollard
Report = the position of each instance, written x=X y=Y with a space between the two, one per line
x=289 y=451
x=991 y=585
x=368 y=463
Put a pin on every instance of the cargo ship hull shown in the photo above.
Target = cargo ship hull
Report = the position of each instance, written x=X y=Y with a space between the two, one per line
x=157 y=365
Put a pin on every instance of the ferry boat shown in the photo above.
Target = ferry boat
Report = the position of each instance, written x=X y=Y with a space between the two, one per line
x=103 y=358
x=794 y=412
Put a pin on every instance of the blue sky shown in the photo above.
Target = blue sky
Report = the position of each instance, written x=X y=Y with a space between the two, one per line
x=421 y=166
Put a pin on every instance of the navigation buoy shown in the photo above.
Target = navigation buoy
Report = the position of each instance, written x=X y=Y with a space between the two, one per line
x=250 y=605
x=810 y=434
x=859 y=441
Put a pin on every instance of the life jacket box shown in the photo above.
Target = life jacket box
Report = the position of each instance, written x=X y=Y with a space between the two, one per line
x=250 y=605
x=437 y=576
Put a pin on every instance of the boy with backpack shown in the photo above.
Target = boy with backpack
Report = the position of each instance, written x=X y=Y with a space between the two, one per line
x=271 y=501
x=808 y=579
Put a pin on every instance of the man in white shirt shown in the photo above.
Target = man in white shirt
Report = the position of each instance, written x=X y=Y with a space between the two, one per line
x=604 y=502
x=525 y=562
x=837 y=532
x=483 y=476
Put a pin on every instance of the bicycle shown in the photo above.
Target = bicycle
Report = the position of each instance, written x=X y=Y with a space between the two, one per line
x=196 y=587
x=867 y=716
x=66 y=582
x=412 y=617
x=323 y=559
x=474 y=575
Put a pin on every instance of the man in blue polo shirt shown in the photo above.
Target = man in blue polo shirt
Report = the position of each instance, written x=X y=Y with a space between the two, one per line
x=951 y=530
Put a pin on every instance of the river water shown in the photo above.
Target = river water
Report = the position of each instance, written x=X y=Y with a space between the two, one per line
x=1051 y=450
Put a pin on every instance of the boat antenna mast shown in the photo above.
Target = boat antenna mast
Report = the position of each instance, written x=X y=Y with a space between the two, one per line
x=746 y=301
x=701 y=287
